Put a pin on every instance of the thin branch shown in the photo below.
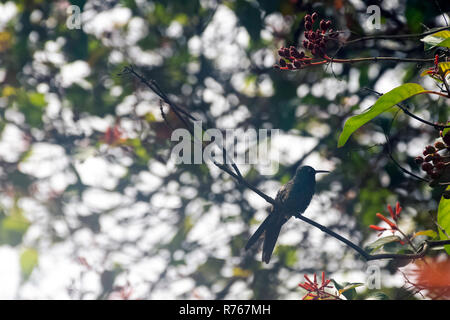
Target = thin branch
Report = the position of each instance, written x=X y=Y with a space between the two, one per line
x=179 y=111
x=405 y=170
x=396 y=36
x=377 y=59
x=419 y=254
x=444 y=80
x=164 y=115
x=409 y=113
x=308 y=62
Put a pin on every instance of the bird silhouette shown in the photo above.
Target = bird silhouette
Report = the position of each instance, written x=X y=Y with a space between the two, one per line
x=293 y=198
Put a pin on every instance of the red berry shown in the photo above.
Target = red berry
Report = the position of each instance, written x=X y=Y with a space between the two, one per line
x=439 y=145
x=430 y=149
x=434 y=174
x=446 y=139
x=305 y=44
x=314 y=16
x=436 y=157
x=308 y=25
x=439 y=165
x=293 y=52
x=428 y=158
x=427 y=166
x=418 y=160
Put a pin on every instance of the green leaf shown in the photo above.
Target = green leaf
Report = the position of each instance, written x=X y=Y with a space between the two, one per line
x=445 y=43
x=436 y=39
x=444 y=132
x=376 y=245
x=349 y=291
x=443 y=219
x=28 y=261
x=384 y=103
x=429 y=233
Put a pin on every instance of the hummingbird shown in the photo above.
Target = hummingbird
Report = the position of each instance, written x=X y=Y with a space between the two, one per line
x=292 y=199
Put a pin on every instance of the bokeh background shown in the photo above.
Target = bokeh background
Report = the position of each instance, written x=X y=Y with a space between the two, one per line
x=92 y=206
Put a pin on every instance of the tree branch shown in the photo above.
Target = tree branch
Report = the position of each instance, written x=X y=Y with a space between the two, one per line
x=181 y=112
x=396 y=36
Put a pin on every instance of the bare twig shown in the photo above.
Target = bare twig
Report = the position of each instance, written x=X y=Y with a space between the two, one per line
x=396 y=36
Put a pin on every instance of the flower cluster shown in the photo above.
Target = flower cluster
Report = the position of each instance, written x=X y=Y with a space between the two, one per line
x=432 y=162
x=394 y=215
x=315 y=41
x=316 y=291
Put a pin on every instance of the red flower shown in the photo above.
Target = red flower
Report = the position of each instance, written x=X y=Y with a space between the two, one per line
x=389 y=222
x=394 y=215
x=316 y=291
x=377 y=228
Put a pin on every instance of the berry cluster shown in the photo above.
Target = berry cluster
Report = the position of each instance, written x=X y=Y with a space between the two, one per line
x=433 y=163
x=296 y=59
x=315 y=42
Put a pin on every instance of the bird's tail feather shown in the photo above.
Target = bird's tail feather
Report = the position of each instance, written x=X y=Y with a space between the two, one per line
x=259 y=231
x=270 y=239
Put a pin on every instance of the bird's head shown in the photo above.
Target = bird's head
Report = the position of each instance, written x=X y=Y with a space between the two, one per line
x=307 y=172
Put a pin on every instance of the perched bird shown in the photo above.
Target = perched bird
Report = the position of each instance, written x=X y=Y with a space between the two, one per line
x=293 y=198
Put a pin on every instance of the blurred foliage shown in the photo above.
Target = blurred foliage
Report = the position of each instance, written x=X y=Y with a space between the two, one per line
x=187 y=222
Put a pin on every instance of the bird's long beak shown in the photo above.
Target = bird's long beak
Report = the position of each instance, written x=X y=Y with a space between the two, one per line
x=322 y=171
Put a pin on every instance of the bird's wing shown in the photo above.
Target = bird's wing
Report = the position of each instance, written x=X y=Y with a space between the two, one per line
x=283 y=193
